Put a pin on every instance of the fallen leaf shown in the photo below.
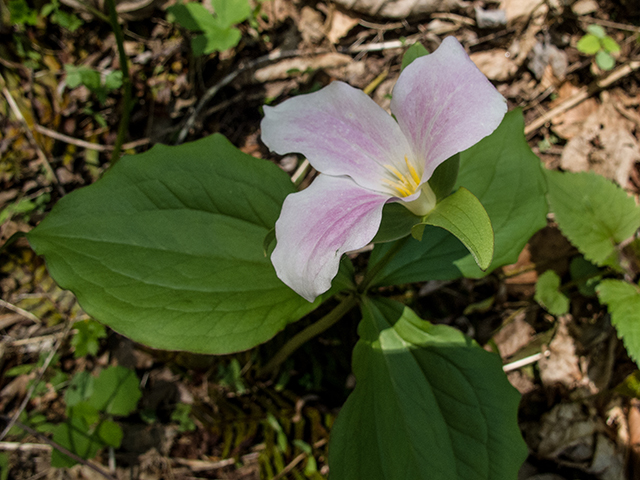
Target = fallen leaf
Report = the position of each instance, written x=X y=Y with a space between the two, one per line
x=605 y=145
x=341 y=24
x=495 y=64
x=562 y=366
x=569 y=124
x=295 y=66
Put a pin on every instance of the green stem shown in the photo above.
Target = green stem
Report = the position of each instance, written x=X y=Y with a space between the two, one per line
x=371 y=274
x=308 y=333
x=126 y=81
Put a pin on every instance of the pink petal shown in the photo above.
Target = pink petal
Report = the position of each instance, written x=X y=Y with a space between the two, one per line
x=340 y=130
x=316 y=226
x=444 y=105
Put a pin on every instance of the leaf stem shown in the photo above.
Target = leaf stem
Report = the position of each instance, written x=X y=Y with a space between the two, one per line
x=126 y=81
x=308 y=333
x=370 y=275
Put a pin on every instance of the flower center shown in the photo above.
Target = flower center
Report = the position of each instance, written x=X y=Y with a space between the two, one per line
x=403 y=184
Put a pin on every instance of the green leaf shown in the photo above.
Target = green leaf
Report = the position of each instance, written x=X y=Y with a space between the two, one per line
x=605 y=61
x=585 y=275
x=231 y=12
x=86 y=411
x=397 y=222
x=505 y=175
x=610 y=45
x=110 y=433
x=597 y=31
x=463 y=215
x=428 y=404
x=116 y=391
x=21 y=14
x=4 y=466
x=589 y=44
x=215 y=40
x=167 y=248
x=623 y=302
x=193 y=16
x=74 y=436
x=80 y=389
x=86 y=339
x=113 y=80
x=592 y=212
x=416 y=50
x=549 y=295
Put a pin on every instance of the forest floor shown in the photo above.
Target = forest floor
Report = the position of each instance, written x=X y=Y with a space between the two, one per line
x=210 y=417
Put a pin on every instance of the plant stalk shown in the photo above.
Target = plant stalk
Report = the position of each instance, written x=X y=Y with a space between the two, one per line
x=371 y=274
x=308 y=333
x=126 y=81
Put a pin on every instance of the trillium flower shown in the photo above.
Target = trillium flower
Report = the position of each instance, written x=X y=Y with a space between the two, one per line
x=443 y=105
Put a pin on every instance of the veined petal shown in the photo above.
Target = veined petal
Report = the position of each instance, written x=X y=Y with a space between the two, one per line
x=444 y=105
x=316 y=226
x=341 y=131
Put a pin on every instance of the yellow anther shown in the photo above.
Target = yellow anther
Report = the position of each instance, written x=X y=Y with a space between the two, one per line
x=406 y=184
x=412 y=171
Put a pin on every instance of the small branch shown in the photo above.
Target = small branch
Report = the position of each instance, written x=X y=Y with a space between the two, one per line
x=24 y=313
x=308 y=333
x=509 y=367
x=88 y=145
x=123 y=127
x=582 y=94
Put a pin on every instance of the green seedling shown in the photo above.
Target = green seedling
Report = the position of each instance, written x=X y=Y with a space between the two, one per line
x=214 y=33
x=598 y=43
x=93 y=80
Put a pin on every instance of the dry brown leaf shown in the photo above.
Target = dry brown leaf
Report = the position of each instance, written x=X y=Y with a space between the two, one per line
x=495 y=64
x=341 y=24
x=311 y=25
x=514 y=336
x=562 y=366
x=519 y=10
x=605 y=144
x=569 y=124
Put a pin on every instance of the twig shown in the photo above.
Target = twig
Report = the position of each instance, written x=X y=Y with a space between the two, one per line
x=610 y=24
x=58 y=447
x=41 y=156
x=88 y=145
x=582 y=94
x=123 y=127
x=24 y=313
x=523 y=362
x=37 y=380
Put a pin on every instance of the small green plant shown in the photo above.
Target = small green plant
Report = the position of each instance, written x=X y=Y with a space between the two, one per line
x=24 y=207
x=22 y=14
x=597 y=42
x=91 y=404
x=85 y=341
x=214 y=33
x=92 y=79
x=182 y=415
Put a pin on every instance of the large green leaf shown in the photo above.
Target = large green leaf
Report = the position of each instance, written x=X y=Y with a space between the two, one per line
x=507 y=178
x=230 y=12
x=167 y=248
x=593 y=213
x=428 y=404
x=623 y=301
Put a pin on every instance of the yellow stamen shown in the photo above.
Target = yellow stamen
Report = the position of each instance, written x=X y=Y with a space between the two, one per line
x=412 y=171
x=403 y=184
